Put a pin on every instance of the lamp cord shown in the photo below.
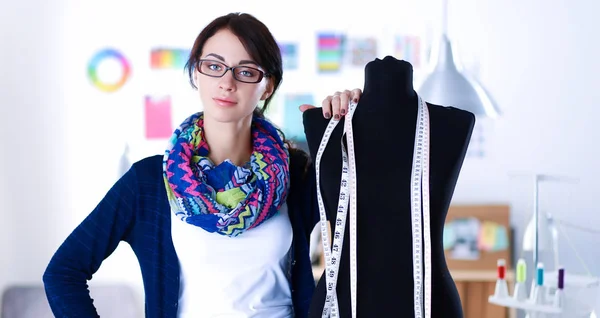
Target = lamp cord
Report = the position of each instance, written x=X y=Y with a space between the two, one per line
x=570 y=242
x=568 y=224
x=561 y=227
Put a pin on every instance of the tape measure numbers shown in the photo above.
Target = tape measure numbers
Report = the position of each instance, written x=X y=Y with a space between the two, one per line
x=420 y=215
x=348 y=199
x=333 y=254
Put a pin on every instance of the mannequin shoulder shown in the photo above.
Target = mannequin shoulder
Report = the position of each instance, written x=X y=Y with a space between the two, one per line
x=453 y=114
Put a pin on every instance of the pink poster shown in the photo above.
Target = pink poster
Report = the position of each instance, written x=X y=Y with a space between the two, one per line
x=408 y=48
x=158 y=117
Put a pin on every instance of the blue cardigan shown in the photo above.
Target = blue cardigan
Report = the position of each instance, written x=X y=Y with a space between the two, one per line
x=136 y=210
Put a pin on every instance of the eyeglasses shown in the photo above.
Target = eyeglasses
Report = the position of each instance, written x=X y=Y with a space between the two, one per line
x=241 y=73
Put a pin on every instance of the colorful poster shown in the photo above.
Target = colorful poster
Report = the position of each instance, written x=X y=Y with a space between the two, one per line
x=362 y=51
x=103 y=76
x=293 y=126
x=158 y=117
x=273 y=109
x=289 y=55
x=493 y=237
x=408 y=48
x=477 y=142
x=330 y=48
x=167 y=58
x=461 y=237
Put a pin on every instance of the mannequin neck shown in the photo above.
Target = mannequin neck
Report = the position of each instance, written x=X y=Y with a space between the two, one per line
x=389 y=83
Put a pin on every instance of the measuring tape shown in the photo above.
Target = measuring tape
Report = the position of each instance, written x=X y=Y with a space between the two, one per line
x=347 y=197
x=420 y=212
x=333 y=255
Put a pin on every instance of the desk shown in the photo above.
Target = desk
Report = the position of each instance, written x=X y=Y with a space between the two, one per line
x=474 y=288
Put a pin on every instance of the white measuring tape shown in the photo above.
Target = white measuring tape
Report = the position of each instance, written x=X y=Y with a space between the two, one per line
x=420 y=212
x=347 y=196
x=333 y=255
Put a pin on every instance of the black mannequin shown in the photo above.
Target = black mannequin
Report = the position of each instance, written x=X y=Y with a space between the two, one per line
x=384 y=130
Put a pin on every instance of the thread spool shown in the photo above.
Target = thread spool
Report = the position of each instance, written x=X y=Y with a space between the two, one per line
x=521 y=271
x=558 y=300
x=561 y=278
x=540 y=274
x=501 y=290
x=520 y=292
x=537 y=293
x=501 y=269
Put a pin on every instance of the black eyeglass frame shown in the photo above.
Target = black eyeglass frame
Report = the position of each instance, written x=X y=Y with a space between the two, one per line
x=262 y=73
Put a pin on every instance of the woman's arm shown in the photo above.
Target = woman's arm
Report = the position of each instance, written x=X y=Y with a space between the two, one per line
x=82 y=253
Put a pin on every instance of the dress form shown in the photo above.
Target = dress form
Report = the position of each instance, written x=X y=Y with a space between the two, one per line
x=384 y=131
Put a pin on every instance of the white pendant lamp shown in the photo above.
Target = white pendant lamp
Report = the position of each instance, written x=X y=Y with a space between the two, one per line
x=448 y=85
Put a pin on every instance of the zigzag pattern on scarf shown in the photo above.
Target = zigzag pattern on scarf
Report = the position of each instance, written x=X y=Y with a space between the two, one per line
x=258 y=191
x=245 y=217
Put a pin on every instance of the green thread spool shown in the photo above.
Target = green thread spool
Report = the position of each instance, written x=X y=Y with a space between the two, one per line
x=521 y=271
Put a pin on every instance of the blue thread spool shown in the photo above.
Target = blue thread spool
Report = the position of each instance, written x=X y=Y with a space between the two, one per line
x=540 y=274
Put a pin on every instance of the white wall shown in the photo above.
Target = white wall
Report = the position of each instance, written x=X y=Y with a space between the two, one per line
x=34 y=196
x=63 y=139
x=6 y=235
x=542 y=68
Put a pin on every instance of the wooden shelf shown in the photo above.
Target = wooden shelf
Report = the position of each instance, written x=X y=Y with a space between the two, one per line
x=457 y=275
x=476 y=285
x=479 y=275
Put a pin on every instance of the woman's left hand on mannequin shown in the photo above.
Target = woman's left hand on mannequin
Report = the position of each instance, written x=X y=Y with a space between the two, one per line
x=336 y=105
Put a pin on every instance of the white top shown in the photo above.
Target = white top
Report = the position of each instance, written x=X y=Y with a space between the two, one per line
x=242 y=277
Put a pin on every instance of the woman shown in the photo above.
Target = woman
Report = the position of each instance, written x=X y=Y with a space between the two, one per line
x=220 y=223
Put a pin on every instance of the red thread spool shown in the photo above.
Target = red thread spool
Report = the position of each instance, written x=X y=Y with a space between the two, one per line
x=501 y=268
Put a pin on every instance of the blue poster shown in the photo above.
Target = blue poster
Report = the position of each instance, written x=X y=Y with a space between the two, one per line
x=292 y=116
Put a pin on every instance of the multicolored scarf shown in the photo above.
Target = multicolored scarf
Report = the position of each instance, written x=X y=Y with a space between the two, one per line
x=226 y=199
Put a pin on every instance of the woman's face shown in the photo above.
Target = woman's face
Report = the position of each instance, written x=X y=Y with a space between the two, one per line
x=227 y=99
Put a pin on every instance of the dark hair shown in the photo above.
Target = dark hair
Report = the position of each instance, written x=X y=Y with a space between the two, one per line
x=257 y=40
